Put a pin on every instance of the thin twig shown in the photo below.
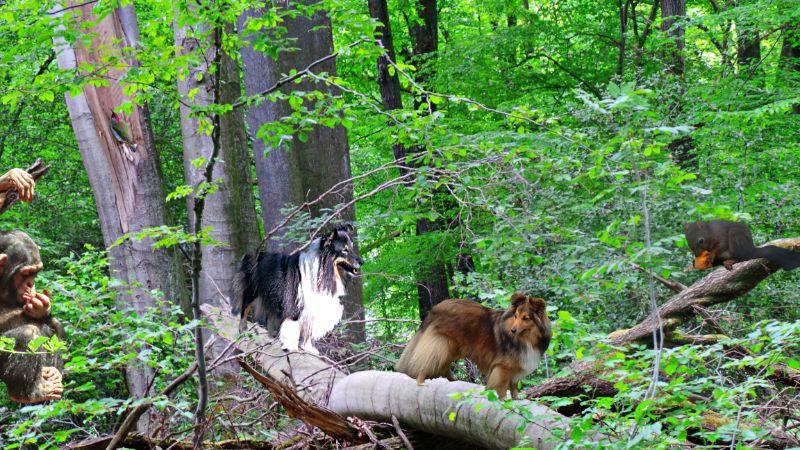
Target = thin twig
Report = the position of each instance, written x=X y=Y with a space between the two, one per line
x=674 y=286
x=400 y=433
x=289 y=79
x=137 y=412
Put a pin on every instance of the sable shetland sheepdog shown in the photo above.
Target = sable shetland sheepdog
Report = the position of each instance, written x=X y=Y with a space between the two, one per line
x=505 y=345
x=298 y=295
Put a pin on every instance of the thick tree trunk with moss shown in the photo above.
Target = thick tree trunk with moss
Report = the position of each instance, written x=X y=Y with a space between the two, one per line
x=300 y=171
x=230 y=211
x=129 y=194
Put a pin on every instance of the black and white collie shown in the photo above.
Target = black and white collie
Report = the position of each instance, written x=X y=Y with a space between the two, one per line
x=298 y=295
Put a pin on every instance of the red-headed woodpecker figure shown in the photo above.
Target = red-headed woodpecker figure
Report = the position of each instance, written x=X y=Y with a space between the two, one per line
x=122 y=133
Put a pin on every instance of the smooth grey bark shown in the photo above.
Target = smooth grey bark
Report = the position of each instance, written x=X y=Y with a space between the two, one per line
x=129 y=194
x=230 y=211
x=300 y=171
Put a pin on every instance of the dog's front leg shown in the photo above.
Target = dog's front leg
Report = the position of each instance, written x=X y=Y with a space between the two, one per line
x=289 y=335
x=308 y=345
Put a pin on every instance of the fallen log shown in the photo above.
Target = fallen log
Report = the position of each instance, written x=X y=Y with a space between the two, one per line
x=720 y=286
x=375 y=395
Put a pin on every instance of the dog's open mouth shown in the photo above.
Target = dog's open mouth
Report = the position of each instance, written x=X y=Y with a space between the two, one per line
x=349 y=268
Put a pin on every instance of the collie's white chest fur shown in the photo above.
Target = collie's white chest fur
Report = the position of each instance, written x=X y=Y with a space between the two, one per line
x=321 y=311
x=530 y=359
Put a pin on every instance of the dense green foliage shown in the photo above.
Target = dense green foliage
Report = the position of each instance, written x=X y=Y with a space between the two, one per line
x=549 y=161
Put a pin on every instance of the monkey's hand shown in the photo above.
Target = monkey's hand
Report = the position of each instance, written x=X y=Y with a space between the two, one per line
x=37 y=304
x=728 y=263
x=21 y=180
x=48 y=387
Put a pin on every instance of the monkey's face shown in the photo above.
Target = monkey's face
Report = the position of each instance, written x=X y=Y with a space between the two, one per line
x=24 y=282
x=19 y=264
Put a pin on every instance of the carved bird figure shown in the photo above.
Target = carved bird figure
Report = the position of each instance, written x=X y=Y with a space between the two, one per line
x=121 y=131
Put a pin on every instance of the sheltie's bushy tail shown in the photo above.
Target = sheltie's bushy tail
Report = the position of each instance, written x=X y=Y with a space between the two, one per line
x=243 y=288
x=427 y=353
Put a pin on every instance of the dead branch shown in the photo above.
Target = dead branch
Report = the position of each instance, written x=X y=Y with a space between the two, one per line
x=326 y=420
x=138 y=442
x=119 y=438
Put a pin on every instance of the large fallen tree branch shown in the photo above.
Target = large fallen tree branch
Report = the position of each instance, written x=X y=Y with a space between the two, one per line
x=326 y=420
x=719 y=286
x=375 y=395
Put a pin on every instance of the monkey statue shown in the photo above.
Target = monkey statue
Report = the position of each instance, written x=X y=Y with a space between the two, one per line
x=722 y=242
x=31 y=377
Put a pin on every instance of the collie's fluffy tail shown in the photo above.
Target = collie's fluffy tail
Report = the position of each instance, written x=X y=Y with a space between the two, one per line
x=243 y=289
x=787 y=259
x=427 y=353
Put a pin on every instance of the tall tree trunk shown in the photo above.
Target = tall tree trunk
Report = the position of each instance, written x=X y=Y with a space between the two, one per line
x=432 y=285
x=790 y=52
x=673 y=12
x=622 y=6
x=230 y=211
x=748 y=45
x=790 y=48
x=748 y=50
x=388 y=80
x=129 y=194
x=300 y=171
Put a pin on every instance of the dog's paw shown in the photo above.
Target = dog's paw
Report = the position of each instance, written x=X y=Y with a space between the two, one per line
x=311 y=349
x=289 y=348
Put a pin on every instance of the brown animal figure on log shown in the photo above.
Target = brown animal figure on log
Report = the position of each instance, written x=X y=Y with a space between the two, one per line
x=25 y=315
x=722 y=242
x=505 y=345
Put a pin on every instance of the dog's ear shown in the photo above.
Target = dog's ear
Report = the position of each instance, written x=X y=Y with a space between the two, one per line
x=517 y=299
x=537 y=304
x=346 y=227
x=327 y=240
